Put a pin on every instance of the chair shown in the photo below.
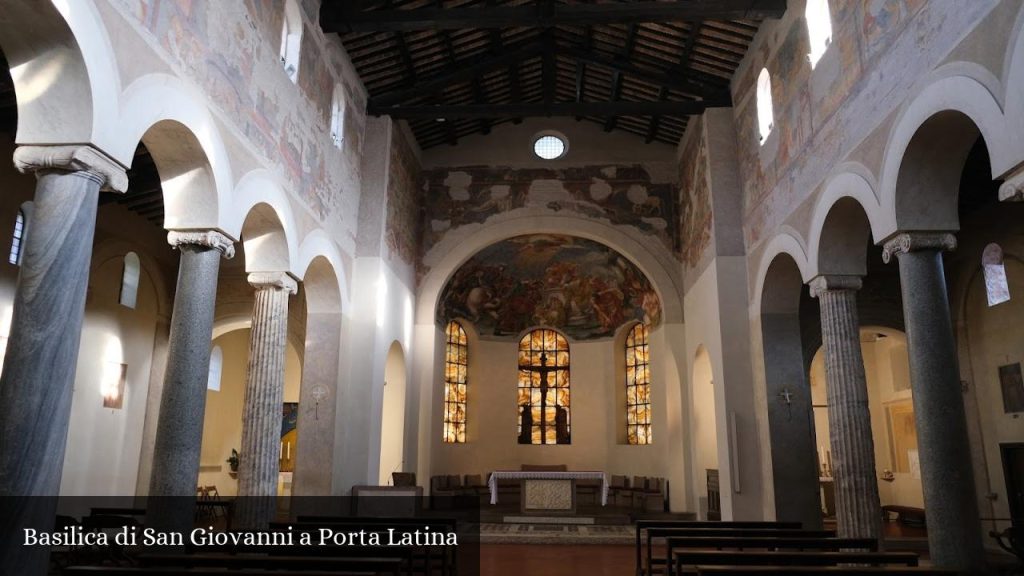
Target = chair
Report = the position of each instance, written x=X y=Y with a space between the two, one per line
x=403 y=479
x=619 y=491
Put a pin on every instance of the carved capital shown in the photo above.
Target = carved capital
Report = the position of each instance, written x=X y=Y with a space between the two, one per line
x=78 y=158
x=834 y=282
x=208 y=238
x=1012 y=188
x=905 y=242
x=273 y=281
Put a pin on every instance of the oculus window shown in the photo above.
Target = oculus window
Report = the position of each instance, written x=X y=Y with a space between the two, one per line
x=550 y=147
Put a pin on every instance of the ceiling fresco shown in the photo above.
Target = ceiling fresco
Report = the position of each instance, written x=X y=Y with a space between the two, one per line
x=578 y=286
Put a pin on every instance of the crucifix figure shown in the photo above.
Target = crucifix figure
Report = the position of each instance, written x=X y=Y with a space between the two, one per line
x=562 y=425
x=787 y=397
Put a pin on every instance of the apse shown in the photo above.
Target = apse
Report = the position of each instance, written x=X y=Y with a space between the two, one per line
x=579 y=286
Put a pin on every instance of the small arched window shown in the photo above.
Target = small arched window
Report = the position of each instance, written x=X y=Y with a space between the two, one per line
x=216 y=369
x=997 y=288
x=291 y=39
x=338 y=116
x=456 y=367
x=765 y=113
x=819 y=28
x=543 y=393
x=638 y=386
x=130 y=280
x=17 y=237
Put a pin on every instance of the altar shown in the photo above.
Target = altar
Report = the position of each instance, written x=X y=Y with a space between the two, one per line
x=547 y=492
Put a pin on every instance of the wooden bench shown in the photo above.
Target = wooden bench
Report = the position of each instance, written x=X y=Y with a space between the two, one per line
x=692 y=559
x=656 y=533
x=823 y=570
x=646 y=525
x=907 y=515
x=373 y=565
x=172 y=571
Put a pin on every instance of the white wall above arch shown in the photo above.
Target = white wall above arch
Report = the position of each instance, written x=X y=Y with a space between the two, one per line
x=664 y=272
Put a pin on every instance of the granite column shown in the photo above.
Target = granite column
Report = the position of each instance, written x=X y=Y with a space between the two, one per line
x=859 y=511
x=42 y=352
x=947 y=474
x=264 y=393
x=179 y=433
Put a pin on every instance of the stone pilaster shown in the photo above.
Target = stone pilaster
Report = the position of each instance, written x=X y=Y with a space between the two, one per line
x=947 y=476
x=179 y=432
x=42 y=351
x=264 y=394
x=853 y=449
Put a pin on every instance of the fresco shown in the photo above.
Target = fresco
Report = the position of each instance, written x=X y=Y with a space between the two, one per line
x=578 y=286
x=695 y=201
x=402 y=211
x=622 y=194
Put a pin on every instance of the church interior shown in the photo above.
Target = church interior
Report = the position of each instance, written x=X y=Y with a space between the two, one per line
x=661 y=286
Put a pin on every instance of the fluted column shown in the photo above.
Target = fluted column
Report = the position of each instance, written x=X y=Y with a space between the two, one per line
x=179 y=433
x=42 y=350
x=947 y=474
x=264 y=393
x=859 y=512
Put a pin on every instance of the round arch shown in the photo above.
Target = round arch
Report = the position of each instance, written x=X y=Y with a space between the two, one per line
x=786 y=243
x=446 y=257
x=853 y=182
x=262 y=217
x=839 y=239
x=929 y=143
x=323 y=273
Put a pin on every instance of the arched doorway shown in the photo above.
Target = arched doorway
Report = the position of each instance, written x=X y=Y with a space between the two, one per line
x=890 y=401
x=705 y=436
x=392 y=422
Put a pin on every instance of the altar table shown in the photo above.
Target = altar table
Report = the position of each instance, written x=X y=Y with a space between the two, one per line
x=540 y=488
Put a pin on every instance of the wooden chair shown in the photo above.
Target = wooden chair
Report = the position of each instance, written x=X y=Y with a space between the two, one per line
x=403 y=479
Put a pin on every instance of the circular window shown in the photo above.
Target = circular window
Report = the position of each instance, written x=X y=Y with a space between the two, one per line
x=549 y=147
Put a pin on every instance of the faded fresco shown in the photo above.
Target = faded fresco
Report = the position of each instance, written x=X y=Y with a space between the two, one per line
x=230 y=50
x=579 y=286
x=694 y=200
x=402 y=212
x=623 y=194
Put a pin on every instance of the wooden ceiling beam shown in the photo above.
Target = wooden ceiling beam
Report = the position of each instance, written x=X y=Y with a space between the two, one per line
x=334 y=17
x=540 y=109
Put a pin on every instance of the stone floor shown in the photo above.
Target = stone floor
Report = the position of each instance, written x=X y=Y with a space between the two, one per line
x=566 y=560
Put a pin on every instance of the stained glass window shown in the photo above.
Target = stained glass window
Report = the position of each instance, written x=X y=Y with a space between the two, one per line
x=19 y=234
x=997 y=289
x=456 y=365
x=638 y=386
x=543 y=394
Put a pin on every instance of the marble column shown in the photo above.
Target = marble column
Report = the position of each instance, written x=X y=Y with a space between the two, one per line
x=264 y=394
x=947 y=476
x=858 y=510
x=42 y=351
x=179 y=432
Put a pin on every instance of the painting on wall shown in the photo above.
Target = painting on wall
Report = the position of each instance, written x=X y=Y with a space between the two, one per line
x=695 y=201
x=289 y=433
x=903 y=437
x=579 y=286
x=1013 y=388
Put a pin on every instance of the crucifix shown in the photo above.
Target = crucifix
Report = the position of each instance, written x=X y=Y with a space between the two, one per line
x=787 y=397
x=544 y=370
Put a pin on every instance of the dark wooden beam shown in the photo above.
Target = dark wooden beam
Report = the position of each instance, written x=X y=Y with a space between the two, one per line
x=616 y=91
x=684 y=61
x=334 y=18
x=540 y=109
x=549 y=67
x=678 y=82
x=465 y=71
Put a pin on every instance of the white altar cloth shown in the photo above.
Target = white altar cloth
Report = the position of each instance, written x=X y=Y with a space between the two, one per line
x=492 y=483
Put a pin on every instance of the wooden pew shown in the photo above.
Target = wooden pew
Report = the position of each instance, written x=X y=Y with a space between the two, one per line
x=691 y=559
x=374 y=565
x=723 y=532
x=823 y=571
x=642 y=525
x=172 y=571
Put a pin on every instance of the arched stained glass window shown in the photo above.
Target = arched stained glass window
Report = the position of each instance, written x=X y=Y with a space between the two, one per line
x=216 y=369
x=638 y=386
x=130 y=280
x=456 y=366
x=997 y=288
x=543 y=394
x=16 y=238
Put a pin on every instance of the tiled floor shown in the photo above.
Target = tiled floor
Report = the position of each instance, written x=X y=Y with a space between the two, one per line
x=556 y=560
